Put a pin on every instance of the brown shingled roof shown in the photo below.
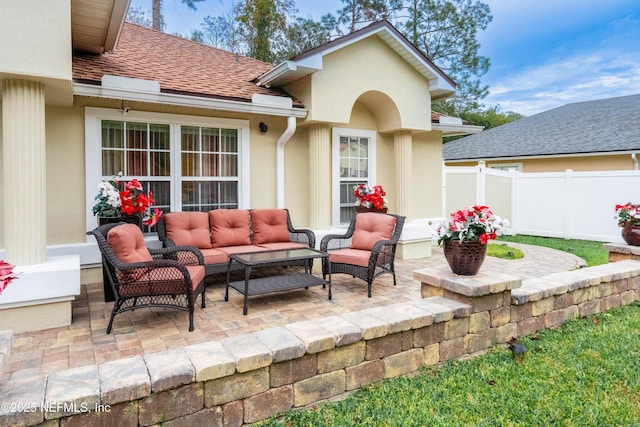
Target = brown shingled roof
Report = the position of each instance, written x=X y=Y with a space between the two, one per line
x=179 y=65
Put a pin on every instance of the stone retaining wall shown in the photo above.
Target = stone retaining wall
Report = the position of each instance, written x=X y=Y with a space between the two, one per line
x=250 y=377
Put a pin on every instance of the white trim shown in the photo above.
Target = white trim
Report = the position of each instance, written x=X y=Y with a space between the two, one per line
x=336 y=133
x=82 y=89
x=93 y=130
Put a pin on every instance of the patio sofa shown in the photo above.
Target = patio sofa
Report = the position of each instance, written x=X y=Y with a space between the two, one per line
x=222 y=232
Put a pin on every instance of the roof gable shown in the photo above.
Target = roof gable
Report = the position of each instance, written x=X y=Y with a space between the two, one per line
x=601 y=126
x=309 y=62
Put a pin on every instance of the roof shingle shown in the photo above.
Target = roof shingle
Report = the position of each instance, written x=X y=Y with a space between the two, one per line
x=605 y=125
x=179 y=65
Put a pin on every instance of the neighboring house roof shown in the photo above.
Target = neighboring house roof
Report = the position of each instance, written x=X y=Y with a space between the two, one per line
x=602 y=126
x=179 y=65
x=309 y=62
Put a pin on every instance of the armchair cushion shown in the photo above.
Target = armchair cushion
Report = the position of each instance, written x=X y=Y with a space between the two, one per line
x=350 y=256
x=127 y=243
x=188 y=229
x=230 y=227
x=370 y=228
x=162 y=281
x=269 y=226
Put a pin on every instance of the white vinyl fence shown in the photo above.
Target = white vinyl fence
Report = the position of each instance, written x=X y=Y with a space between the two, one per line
x=576 y=205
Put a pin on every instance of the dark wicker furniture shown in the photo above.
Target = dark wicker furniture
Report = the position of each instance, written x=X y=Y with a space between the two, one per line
x=163 y=282
x=381 y=258
x=301 y=236
x=264 y=285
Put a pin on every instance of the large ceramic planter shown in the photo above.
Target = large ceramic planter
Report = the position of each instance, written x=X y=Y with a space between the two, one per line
x=631 y=234
x=362 y=209
x=464 y=258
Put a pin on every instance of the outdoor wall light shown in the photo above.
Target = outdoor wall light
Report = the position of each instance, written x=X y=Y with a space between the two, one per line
x=263 y=127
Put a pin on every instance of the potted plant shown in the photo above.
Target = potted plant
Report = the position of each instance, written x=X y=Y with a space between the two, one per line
x=628 y=217
x=370 y=198
x=465 y=235
x=131 y=204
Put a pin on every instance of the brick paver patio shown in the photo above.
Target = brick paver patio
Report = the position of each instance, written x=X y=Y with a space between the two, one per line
x=147 y=331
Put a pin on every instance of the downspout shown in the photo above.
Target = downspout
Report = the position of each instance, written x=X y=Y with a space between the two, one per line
x=635 y=161
x=284 y=138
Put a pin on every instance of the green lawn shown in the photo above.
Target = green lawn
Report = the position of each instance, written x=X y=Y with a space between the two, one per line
x=591 y=252
x=585 y=373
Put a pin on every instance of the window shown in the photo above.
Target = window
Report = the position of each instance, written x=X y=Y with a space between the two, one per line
x=209 y=153
x=353 y=164
x=189 y=163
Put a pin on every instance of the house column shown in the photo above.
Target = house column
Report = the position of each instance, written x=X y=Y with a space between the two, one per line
x=24 y=175
x=402 y=141
x=320 y=175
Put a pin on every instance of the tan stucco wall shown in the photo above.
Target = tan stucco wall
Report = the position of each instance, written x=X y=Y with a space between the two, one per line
x=368 y=67
x=40 y=52
x=560 y=164
x=66 y=162
x=427 y=172
x=65 y=175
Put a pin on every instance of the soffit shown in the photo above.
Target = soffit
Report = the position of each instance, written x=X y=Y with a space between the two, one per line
x=96 y=24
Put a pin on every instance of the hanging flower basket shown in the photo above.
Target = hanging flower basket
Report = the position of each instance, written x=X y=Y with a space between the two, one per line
x=465 y=258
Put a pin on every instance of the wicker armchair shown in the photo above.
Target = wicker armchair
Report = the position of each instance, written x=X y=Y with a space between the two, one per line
x=368 y=248
x=141 y=277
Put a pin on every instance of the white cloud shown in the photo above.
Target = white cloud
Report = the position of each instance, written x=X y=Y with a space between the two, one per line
x=581 y=77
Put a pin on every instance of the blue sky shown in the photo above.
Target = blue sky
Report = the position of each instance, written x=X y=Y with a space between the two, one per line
x=544 y=53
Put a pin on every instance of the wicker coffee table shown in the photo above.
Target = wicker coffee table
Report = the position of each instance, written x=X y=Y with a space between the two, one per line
x=265 y=285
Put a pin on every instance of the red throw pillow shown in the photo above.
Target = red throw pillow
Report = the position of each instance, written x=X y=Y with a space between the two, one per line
x=188 y=228
x=229 y=227
x=370 y=228
x=269 y=226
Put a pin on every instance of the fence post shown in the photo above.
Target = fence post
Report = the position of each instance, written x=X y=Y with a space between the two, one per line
x=515 y=175
x=481 y=184
x=566 y=209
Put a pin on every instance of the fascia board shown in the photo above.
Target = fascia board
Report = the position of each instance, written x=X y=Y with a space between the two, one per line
x=82 y=89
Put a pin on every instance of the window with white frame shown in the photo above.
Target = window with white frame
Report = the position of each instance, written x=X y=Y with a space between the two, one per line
x=189 y=163
x=353 y=163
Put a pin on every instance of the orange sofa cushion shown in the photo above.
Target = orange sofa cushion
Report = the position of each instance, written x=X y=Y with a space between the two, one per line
x=214 y=256
x=280 y=246
x=127 y=243
x=370 y=228
x=229 y=227
x=229 y=250
x=188 y=228
x=350 y=256
x=269 y=226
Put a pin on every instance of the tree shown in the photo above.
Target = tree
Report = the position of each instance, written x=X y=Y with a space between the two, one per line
x=446 y=30
x=156 y=12
x=138 y=16
x=357 y=13
x=262 y=25
x=489 y=118
x=305 y=34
